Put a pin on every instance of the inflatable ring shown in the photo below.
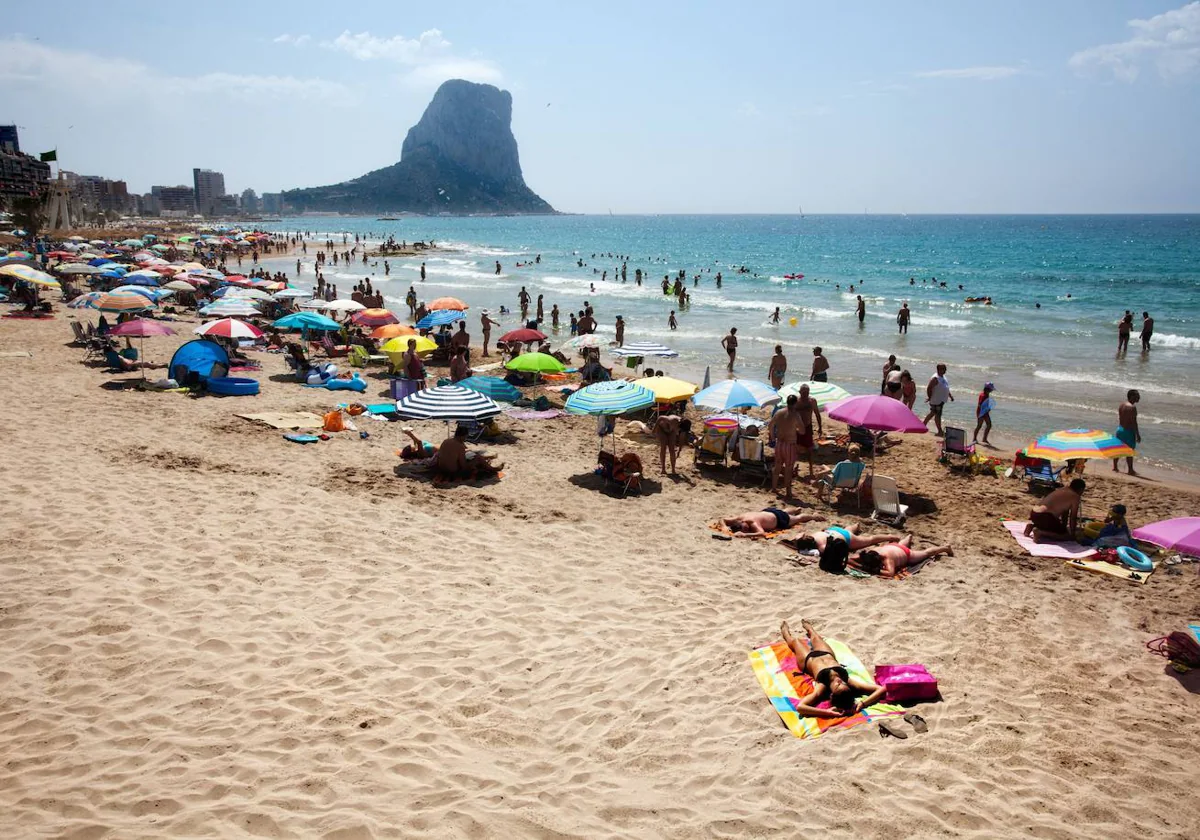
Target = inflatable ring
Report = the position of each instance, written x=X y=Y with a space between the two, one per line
x=232 y=386
x=1134 y=559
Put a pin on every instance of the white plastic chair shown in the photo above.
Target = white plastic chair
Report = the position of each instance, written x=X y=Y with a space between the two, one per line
x=887 y=501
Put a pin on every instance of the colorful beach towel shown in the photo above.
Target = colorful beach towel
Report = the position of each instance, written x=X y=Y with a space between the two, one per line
x=1065 y=550
x=1106 y=568
x=852 y=565
x=784 y=684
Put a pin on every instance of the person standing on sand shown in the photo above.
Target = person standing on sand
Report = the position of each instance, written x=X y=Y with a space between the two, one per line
x=983 y=413
x=808 y=410
x=784 y=429
x=485 y=325
x=1147 y=331
x=902 y=318
x=730 y=344
x=1128 y=432
x=1124 y=330
x=937 y=392
x=778 y=368
x=820 y=366
x=861 y=310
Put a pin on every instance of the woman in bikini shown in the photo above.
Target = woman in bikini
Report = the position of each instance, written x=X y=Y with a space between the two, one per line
x=831 y=680
x=889 y=558
x=837 y=539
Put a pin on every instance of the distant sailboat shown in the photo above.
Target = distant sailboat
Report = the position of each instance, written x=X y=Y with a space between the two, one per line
x=801 y=212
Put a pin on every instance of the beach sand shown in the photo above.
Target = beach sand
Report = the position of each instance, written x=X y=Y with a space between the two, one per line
x=211 y=632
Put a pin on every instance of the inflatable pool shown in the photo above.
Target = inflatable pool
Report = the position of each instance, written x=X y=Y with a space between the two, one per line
x=232 y=386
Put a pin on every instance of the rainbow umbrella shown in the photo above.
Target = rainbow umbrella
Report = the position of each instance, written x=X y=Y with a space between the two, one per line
x=373 y=318
x=122 y=302
x=1073 y=444
x=29 y=275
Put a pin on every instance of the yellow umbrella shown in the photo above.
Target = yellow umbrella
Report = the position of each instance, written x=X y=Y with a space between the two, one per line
x=29 y=275
x=399 y=344
x=666 y=389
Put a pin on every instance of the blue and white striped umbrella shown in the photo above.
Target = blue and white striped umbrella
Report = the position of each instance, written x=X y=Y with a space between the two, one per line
x=153 y=294
x=737 y=393
x=233 y=306
x=616 y=397
x=644 y=348
x=491 y=386
x=448 y=403
x=439 y=317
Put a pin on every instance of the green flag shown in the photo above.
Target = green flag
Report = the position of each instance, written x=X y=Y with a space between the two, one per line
x=49 y=156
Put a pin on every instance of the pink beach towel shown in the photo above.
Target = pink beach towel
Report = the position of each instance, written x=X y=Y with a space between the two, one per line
x=1064 y=550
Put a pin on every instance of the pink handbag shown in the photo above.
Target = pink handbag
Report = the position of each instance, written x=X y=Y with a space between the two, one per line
x=907 y=683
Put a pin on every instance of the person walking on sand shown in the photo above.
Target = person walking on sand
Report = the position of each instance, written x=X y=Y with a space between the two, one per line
x=820 y=366
x=983 y=413
x=937 y=392
x=902 y=318
x=1124 y=330
x=861 y=310
x=784 y=430
x=778 y=368
x=485 y=325
x=1128 y=432
x=730 y=344
x=1147 y=331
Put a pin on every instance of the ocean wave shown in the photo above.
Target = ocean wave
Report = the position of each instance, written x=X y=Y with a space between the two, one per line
x=1175 y=341
x=1115 y=384
x=482 y=250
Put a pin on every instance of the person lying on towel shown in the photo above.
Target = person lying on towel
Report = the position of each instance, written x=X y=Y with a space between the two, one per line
x=831 y=680
x=1056 y=518
x=888 y=559
x=759 y=522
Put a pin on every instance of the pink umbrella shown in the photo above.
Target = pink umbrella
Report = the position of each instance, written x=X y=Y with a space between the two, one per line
x=1182 y=534
x=880 y=414
x=140 y=328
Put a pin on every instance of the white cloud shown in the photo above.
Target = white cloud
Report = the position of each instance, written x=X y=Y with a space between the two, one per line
x=979 y=74
x=1170 y=41
x=294 y=40
x=748 y=110
x=67 y=73
x=429 y=57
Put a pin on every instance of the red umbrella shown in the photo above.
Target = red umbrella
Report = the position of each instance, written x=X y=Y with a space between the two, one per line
x=373 y=318
x=62 y=255
x=522 y=336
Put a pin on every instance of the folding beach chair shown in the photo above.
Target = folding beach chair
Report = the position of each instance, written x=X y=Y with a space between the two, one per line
x=751 y=456
x=1043 y=474
x=846 y=477
x=887 y=501
x=625 y=470
x=359 y=357
x=867 y=440
x=332 y=350
x=713 y=448
x=954 y=444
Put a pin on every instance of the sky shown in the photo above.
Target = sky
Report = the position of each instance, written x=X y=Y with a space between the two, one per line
x=929 y=106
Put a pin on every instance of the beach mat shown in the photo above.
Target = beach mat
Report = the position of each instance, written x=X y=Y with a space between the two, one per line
x=1065 y=550
x=1106 y=568
x=853 y=566
x=527 y=414
x=280 y=420
x=16 y=354
x=784 y=684
x=721 y=528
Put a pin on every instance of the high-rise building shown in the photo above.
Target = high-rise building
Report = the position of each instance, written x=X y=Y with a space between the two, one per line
x=249 y=201
x=178 y=200
x=21 y=176
x=9 y=143
x=210 y=188
x=272 y=203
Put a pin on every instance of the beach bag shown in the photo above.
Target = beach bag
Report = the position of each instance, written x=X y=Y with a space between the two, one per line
x=1180 y=647
x=834 y=557
x=333 y=421
x=907 y=683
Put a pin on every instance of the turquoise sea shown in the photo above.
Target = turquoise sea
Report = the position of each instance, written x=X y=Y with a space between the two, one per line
x=1054 y=367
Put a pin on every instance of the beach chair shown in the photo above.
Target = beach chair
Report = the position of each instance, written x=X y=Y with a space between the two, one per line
x=867 y=440
x=1043 y=474
x=846 y=476
x=359 y=357
x=712 y=448
x=625 y=470
x=887 y=501
x=81 y=338
x=751 y=455
x=954 y=444
x=332 y=350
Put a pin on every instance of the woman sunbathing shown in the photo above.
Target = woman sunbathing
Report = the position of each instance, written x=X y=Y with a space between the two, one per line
x=889 y=558
x=831 y=680
x=757 y=523
x=835 y=535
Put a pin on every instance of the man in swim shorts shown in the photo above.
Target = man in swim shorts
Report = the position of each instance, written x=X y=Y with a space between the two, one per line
x=769 y=520
x=1128 y=432
x=784 y=429
x=1055 y=519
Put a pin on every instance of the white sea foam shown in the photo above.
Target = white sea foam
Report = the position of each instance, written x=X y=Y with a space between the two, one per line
x=1176 y=341
x=1113 y=383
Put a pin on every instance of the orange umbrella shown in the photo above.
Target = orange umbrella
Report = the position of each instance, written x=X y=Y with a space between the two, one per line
x=448 y=303
x=373 y=318
x=392 y=330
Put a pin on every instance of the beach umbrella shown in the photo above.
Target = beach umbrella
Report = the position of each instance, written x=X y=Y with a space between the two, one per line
x=223 y=308
x=287 y=294
x=373 y=318
x=619 y=396
x=61 y=255
x=824 y=393
x=133 y=243
x=78 y=268
x=522 y=336
x=536 y=363
x=447 y=303
x=399 y=344
x=667 y=389
x=437 y=319
x=392 y=330
x=448 y=403
x=239 y=293
x=878 y=413
x=122 y=302
x=1181 y=534
x=18 y=255
x=343 y=305
x=583 y=342
x=85 y=301
x=150 y=294
x=29 y=275
x=643 y=349
x=315 y=303
x=736 y=393
x=492 y=387
x=179 y=286
x=137 y=279
x=139 y=328
x=229 y=328
x=1072 y=444
x=306 y=321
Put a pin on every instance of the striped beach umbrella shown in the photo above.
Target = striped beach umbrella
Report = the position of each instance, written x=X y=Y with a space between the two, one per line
x=122 y=302
x=85 y=301
x=736 y=393
x=232 y=306
x=1072 y=444
x=374 y=318
x=286 y=294
x=29 y=275
x=448 y=403
x=491 y=386
x=145 y=291
x=447 y=303
x=644 y=348
x=610 y=398
x=583 y=342
x=442 y=316
x=823 y=392
x=229 y=328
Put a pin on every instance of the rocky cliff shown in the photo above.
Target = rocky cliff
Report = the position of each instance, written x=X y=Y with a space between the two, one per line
x=460 y=158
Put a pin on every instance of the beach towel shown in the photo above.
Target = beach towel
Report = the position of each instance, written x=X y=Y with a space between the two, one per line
x=294 y=420
x=852 y=565
x=1068 y=550
x=1106 y=568
x=784 y=684
x=16 y=354
x=721 y=528
x=549 y=414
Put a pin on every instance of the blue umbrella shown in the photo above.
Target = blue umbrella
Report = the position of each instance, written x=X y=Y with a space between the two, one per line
x=736 y=393
x=137 y=279
x=306 y=321
x=493 y=387
x=101 y=261
x=616 y=397
x=441 y=316
x=153 y=294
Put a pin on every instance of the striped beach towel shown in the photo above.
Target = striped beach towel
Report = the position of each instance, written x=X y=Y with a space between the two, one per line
x=784 y=684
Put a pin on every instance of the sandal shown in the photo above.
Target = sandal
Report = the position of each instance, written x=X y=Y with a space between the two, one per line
x=917 y=722
x=886 y=728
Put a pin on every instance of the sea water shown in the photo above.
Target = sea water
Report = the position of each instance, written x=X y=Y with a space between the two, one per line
x=1053 y=367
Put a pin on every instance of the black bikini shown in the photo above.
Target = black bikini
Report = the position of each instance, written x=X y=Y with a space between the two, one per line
x=823 y=675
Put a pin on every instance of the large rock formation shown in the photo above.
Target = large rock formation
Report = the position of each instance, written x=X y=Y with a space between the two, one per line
x=460 y=158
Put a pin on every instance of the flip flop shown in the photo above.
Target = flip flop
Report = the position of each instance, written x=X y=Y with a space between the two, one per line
x=918 y=722
x=886 y=728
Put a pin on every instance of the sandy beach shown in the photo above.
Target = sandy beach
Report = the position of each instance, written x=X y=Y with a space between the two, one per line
x=209 y=631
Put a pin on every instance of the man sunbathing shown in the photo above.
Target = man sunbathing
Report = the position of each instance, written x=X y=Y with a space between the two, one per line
x=1056 y=518
x=831 y=680
x=890 y=558
x=757 y=523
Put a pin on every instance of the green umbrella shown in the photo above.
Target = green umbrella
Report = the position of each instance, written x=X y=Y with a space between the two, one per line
x=536 y=363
